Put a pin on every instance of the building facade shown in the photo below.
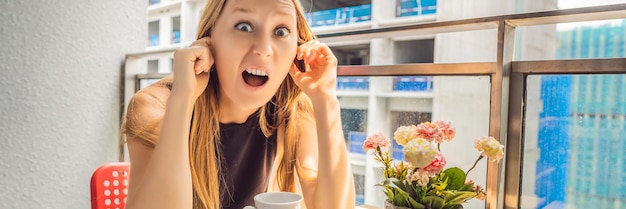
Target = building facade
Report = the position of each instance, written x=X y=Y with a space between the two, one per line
x=583 y=152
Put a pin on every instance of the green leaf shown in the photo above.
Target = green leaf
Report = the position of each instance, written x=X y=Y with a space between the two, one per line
x=389 y=193
x=433 y=202
x=467 y=187
x=411 y=189
x=400 y=199
x=455 y=178
x=459 y=197
x=398 y=183
x=414 y=204
x=395 y=184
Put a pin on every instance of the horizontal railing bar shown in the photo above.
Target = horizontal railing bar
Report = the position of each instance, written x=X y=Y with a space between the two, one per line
x=422 y=69
x=581 y=66
x=410 y=30
x=152 y=75
x=168 y=49
x=522 y=19
x=605 y=12
x=430 y=69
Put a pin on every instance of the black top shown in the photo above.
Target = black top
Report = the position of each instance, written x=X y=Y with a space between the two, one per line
x=247 y=162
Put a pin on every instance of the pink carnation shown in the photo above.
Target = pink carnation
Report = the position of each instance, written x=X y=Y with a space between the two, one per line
x=447 y=131
x=436 y=165
x=375 y=141
x=480 y=192
x=481 y=196
x=429 y=131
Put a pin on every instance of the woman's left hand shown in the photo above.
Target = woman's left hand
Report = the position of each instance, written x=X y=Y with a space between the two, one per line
x=320 y=79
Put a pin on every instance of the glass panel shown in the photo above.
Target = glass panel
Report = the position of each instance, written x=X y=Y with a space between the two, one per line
x=574 y=147
x=359 y=181
x=578 y=40
x=146 y=82
x=461 y=100
x=413 y=51
x=466 y=46
x=595 y=39
x=354 y=128
x=568 y=4
x=357 y=54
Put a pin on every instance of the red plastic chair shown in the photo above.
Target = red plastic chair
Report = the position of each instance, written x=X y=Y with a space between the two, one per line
x=109 y=186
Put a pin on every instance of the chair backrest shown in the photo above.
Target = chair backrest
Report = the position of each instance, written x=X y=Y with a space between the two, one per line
x=109 y=186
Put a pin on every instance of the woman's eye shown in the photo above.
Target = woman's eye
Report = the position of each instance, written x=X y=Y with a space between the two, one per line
x=245 y=27
x=281 y=32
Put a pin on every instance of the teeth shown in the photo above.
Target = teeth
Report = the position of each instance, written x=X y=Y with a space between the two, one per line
x=256 y=72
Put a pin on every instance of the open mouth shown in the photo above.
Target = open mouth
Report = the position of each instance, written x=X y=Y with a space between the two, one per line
x=254 y=77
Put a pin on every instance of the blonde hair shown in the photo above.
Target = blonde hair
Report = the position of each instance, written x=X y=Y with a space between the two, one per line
x=204 y=157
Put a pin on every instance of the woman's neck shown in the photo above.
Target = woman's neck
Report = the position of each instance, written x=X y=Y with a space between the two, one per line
x=231 y=112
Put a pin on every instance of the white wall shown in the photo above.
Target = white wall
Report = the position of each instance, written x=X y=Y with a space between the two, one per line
x=60 y=64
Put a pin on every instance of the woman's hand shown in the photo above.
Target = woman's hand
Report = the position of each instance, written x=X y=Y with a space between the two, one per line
x=330 y=183
x=321 y=78
x=192 y=67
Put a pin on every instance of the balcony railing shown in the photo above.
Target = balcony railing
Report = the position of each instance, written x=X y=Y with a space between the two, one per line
x=508 y=78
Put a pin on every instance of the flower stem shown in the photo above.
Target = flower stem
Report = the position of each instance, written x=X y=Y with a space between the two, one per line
x=479 y=158
x=385 y=159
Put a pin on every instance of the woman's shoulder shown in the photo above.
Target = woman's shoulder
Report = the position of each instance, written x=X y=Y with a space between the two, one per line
x=147 y=107
x=153 y=96
x=157 y=92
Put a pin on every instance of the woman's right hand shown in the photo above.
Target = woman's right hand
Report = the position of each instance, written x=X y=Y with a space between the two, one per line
x=192 y=66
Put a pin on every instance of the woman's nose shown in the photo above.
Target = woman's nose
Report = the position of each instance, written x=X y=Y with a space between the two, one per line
x=263 y=47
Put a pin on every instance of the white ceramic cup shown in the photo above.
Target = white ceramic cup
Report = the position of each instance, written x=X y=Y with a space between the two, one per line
x=277 y=200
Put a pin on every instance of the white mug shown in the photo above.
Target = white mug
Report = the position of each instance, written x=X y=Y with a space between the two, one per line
x=277 y=200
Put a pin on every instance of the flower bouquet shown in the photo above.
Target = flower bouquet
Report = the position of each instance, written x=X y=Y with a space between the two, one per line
x=420 y=181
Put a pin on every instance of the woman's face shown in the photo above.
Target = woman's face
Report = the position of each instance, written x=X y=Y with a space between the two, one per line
x=254 y=44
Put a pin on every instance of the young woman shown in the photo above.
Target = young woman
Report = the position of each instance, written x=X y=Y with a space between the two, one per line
x=238 y=117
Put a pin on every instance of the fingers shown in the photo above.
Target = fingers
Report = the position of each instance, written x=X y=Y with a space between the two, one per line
x=294 y=71
x=312 y=50
x=206 y=41
x=203 y=60
x=201 y=55
x=304 y=50
x=317 y=56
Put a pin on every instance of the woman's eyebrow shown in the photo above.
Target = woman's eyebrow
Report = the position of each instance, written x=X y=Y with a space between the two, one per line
x=239 y=9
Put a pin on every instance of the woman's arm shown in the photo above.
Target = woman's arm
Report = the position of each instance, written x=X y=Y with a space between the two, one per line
x=163 y=175
x=332 y=186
